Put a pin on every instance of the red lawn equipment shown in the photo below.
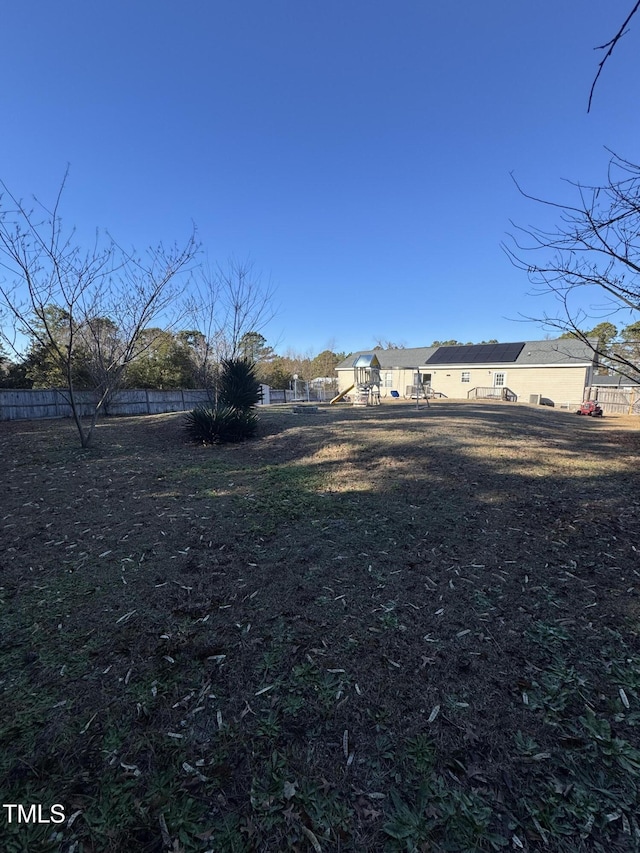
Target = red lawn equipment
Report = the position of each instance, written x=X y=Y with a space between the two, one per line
x=591 y=408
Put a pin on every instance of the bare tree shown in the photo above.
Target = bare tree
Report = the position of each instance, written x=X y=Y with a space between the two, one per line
x=382 y=343
x=91 y=303
x=593 y=251
x=226 y=304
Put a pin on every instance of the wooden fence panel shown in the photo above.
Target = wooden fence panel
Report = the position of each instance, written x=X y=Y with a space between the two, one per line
x=281 y=395
x=194 y=397
x=616 y=401
x=28 y=404
x=130 y=402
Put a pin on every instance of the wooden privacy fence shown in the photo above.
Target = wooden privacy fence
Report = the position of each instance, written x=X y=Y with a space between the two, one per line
x=616 y=401
x=25 y=404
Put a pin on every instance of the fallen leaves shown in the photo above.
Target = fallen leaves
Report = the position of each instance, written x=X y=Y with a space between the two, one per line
x=223 y=607
x=434 y=713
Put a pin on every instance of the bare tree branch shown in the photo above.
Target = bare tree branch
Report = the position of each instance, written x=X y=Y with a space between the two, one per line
x=227 y=302
x=611 y=45
x=593 y=249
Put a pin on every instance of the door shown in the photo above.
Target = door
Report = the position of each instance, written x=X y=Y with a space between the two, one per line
x=499 y=383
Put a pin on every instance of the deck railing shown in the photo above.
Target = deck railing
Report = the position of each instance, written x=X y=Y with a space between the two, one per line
x=493 y=393
x=426 y=392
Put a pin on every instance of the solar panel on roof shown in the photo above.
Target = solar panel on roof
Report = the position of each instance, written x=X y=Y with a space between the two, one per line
x=477 y=354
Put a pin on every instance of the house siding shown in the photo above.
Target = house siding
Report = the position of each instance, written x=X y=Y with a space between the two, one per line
x=563 y=385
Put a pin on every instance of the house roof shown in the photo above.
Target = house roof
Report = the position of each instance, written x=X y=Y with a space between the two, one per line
x=615 y=381
x=560 y=351
x=390 y=358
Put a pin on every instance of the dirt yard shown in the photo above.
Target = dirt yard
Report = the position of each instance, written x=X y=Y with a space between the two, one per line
x=367 y=630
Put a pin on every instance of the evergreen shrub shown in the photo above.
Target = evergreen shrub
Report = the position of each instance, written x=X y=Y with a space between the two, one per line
x=218 y=425
x=233 y=418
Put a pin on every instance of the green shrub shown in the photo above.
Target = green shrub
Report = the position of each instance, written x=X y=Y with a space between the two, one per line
x=233 y=419
x=211 y=425
x=239 y=386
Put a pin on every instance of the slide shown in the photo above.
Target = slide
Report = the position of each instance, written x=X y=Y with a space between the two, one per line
x=341 y=395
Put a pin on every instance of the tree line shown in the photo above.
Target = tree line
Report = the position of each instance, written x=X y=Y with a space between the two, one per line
x=618 y=349
x=279 y=370
x=168 y=359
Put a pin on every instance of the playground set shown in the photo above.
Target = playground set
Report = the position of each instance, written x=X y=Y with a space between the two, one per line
x=366 y=382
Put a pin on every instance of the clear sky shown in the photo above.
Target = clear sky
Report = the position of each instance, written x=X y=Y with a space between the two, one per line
x=358 y=151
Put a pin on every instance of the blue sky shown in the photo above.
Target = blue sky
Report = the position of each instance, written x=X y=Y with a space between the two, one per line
x=358 y=151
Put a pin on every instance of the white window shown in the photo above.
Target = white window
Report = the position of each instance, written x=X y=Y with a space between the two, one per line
x=465 y=376
x=499 y=380
x=388 y=380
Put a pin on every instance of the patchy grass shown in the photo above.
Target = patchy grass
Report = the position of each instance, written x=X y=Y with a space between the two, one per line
x=368 y=630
